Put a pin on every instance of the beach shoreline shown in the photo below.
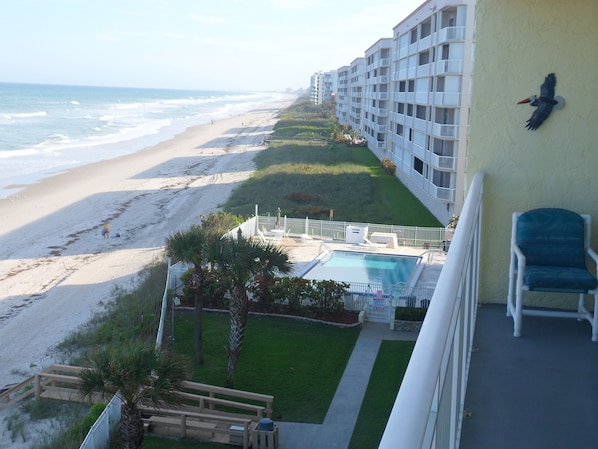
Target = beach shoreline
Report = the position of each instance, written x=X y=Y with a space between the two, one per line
x=57 y=269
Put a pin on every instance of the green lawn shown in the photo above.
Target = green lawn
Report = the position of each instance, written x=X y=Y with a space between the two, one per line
x=155 y=442
x=287 y=358
x=391 y=363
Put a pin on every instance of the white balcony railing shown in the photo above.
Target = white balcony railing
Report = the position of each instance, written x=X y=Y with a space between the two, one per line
x=441 y=193
x=447 y=98
x=428 y=410
x=441 y=130
x=443 y=162
x=451 y=34
x=449 y=66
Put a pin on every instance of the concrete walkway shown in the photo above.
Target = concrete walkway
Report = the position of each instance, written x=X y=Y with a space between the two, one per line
x=336 y=431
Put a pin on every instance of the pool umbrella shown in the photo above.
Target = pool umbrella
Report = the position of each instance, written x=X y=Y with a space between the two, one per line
x=278 y=217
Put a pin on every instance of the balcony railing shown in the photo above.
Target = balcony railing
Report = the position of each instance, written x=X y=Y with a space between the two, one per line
x=447 y=98
x=442 y=193
x=449 y=66
x=443 y=162
x=428 y=409
x=441 y=130
x=451 y=34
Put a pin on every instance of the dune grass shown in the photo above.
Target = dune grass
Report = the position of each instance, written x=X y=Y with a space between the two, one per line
x=309 y=176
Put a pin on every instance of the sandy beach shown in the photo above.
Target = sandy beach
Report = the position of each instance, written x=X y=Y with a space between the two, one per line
x=56 y=268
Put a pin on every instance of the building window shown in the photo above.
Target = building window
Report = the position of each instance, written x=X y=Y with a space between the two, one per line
x=441 y=179
x=418 y=165
x=420 y=112
x=400 y=130
x=411 y=86
x=424 y=57
x=402 y=86
x=445 y=52
x=440 y=84
x=401 y=108
x=414 y=35
x=426 y=28
x=410 y=110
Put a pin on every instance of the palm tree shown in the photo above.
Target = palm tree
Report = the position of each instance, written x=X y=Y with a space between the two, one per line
x=239 y=261
x=138 y=372
x=190 y=247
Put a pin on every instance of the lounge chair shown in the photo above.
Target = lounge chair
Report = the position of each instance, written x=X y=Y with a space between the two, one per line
x=306 y=238
x=371 y=244
x=265 y=239
x=548 y=254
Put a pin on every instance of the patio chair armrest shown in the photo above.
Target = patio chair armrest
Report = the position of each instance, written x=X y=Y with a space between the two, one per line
x=520 y=256
x=592 y=254
x=594 y=257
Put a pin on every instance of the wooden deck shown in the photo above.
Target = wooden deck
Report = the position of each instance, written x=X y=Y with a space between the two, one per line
x=206 y=412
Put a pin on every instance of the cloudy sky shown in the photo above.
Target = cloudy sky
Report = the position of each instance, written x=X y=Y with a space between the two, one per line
x=189 y=44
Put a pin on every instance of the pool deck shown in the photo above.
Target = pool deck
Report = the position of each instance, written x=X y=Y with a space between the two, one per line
x=302 y=253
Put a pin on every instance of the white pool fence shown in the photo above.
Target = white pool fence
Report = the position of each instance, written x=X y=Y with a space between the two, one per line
x=414 y=236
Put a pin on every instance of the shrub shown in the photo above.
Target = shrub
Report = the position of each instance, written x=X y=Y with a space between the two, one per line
x=81 y=429
x=263 y=291
x=299 y=197
x=294 y=290
x=220 y=221
x=317 y=212
x=389 y=166
x=410 y=313
x=327 y=297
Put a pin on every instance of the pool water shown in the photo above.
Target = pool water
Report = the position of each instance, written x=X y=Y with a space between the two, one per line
x=353 y=267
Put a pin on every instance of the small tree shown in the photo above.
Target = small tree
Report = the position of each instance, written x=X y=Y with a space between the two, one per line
x=190 y=246
x=239 y=261
x=138 y=372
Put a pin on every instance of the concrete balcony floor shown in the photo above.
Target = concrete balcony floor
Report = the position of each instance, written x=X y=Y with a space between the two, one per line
x=538 y=391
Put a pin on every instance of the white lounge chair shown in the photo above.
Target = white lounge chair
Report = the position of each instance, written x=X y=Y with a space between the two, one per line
x=306 y=238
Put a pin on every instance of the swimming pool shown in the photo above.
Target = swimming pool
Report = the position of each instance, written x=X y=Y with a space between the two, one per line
x=364 y=268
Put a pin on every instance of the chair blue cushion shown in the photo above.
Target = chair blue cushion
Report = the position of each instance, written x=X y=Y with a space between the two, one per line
x=552 y=237
x=561 y=279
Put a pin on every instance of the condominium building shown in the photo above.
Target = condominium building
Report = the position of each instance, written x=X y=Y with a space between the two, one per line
x=323 y=86
x=429 y=119
x=377 y=94
x=356 y=86
x=343 y=101
x=416 y=98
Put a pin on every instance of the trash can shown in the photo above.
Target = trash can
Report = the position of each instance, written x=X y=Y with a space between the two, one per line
x=265 y=435
x=446 y=245
x=266 y=424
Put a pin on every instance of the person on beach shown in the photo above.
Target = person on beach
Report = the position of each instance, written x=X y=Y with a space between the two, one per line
x=106 y=231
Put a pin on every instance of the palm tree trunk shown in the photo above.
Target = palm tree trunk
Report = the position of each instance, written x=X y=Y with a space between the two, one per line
x=239 y=310
x=131 y=427
x=198 y=331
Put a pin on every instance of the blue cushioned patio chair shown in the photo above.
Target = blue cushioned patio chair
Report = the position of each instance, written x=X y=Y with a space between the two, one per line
x=548 y=254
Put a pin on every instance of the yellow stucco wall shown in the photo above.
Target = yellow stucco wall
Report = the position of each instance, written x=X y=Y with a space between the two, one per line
x=518 y=42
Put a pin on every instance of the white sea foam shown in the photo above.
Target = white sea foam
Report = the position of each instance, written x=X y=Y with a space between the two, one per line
x=26 y=114
x=44 y=129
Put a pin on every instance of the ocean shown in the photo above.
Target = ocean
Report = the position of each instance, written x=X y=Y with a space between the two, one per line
x=46 y=129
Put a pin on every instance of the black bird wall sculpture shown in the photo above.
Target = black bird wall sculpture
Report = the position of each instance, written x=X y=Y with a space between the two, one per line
x=544 y=103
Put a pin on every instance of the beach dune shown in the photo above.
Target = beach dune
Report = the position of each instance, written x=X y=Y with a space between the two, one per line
x=56 y=268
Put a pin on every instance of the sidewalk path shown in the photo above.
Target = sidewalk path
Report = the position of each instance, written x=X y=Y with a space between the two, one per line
x=336 y=431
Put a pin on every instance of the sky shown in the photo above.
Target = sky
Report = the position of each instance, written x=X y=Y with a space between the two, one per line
x=257 y=45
